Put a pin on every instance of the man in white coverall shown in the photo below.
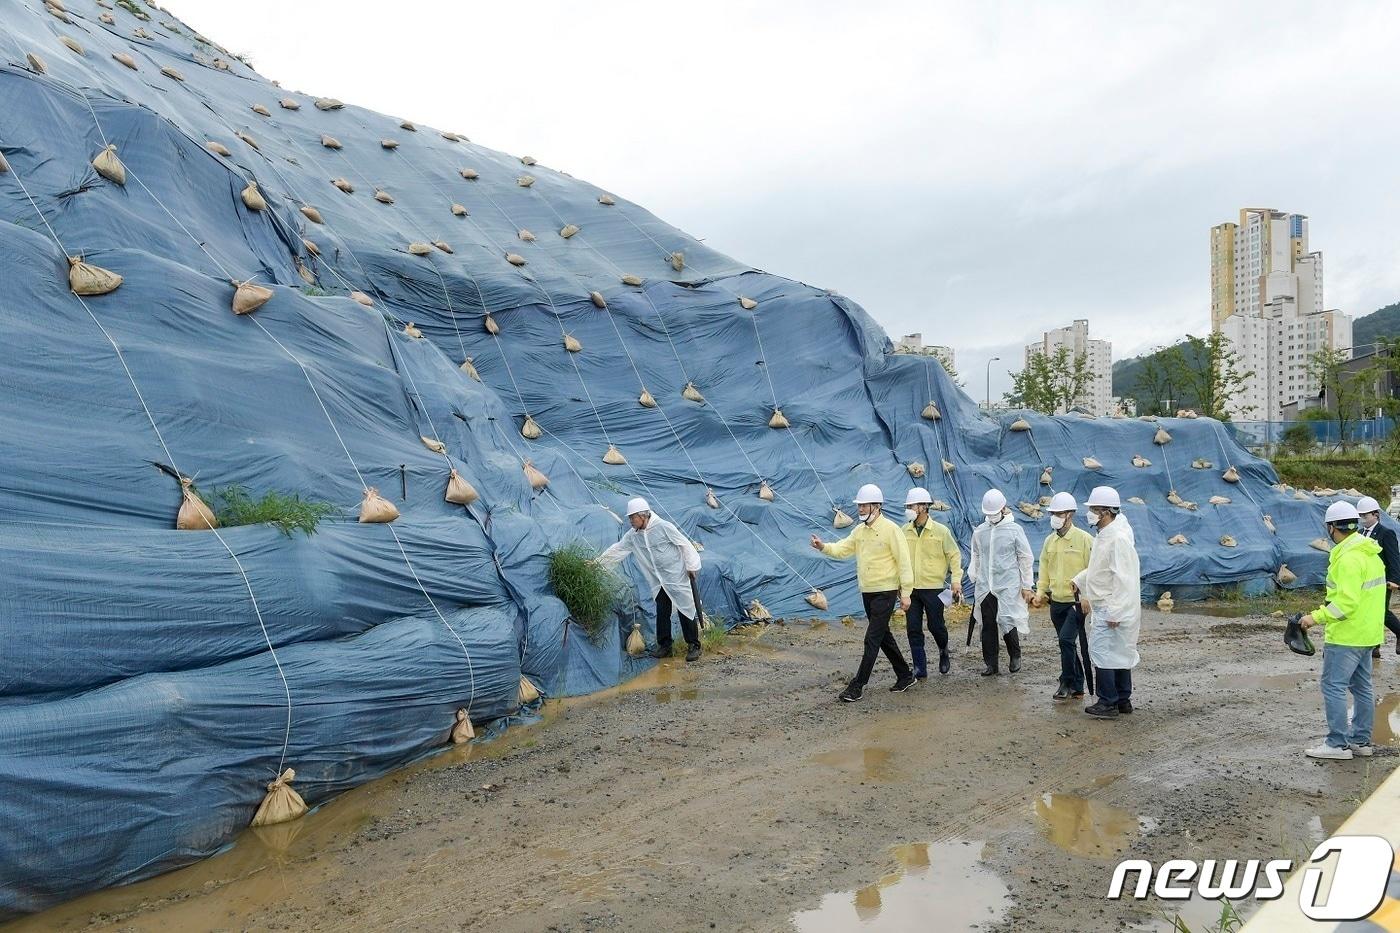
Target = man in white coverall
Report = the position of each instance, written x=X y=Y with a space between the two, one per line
x=669 y=562
x=1110 y=589
x=1002 y=571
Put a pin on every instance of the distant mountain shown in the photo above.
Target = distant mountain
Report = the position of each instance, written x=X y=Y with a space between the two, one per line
x=1382 y=323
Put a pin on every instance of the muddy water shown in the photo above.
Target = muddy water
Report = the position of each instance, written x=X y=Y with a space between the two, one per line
x=1387 y=728
x=943 y=880
x=1088 y=828
x=869 y=763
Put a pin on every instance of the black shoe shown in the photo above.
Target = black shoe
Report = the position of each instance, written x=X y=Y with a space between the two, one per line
x=692 y=653
x=659 y=652
x=944 y=663
x=1125 y=706
x=1102 y=710
x=851 y=694
x=1376 y=651
x=990 y=671
x=1061 y=694
x=903 y=683
x=1015 y=664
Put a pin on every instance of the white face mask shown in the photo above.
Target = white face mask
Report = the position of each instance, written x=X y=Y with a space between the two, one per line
x=870 y=518
x=910 y=515
x=994 y=519
x=1057 y=522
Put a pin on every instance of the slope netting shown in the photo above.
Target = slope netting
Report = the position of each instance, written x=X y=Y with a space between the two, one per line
x=418 y=309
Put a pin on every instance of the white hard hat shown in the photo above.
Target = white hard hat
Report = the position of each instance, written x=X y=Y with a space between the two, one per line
x=918 y=496
x=637 y=505
x=993 y=502
x=1367 y=504
x=868 y=494
x=1063 y=502
x=1105 y=496
x=1341 y=512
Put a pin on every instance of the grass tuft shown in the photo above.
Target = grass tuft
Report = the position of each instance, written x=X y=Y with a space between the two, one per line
x=587 y=589
x=287 y=512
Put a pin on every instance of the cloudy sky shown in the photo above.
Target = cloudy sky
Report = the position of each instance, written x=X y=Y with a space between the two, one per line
x=978 y=172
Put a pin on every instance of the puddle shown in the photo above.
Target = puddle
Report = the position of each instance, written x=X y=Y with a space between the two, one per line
x=1089 y=828
x=871 y=764
x=1387 y=728
x=942 y=880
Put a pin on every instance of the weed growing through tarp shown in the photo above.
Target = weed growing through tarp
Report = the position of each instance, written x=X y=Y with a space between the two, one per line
x=287 y=512
x=587 y=589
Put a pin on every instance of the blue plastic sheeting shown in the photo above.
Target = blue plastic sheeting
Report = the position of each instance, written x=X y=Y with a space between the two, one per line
x=153 y=681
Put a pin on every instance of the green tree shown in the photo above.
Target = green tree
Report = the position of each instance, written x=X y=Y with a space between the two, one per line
x=1208 y=375
x=1153 y=388
x=1050 y=383
x=1352 y=395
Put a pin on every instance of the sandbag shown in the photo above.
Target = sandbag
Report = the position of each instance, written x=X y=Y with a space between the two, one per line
x=491 y=326
x=383 y=197
x=288 y=103
x=419 y=249
x=36 y=63
x=528 y=692
x=282 y=804
x=306 y=274
x=916 y=470
x=757 y=612
x=1227 y=541
x=525 y=236
x=692 y=393
x=1269 y=524
x=598 y=300
x=442 y=245
x=1045 y=476
x=72 y=44
x=311 y=214
x=86 y=279
x=375 y=509
x=1231 y=475
x=252 y=198
x=328 y=103
x=636 y=644
x=363 y=299
x=311 y=247
x=262 y=110
x=1030 y=509
x=433 y=444
x=1020 y=424
x=1091 y=463
x=1176 y=500
x=748 y=304
x=710 y=499
x=218 y=148
x=1320 y=544
x=4 y=166
x=527 y=160
x=344 y=185
x=677 y=261
x=126 y=60
x=469 y=368
x=614 y=456
x=568 y=230
x=525 y=181
x=1161 y=437
x=515 y=259
x=530 y=429
x=1137 y=500
x=109 y=166
x=411 y=330
x=462 y=731
x=248 y=139
x=1177 y=539
x=765 y=492
x=635 y=280
x=459 y=491
x=646 y=400
x=817 y=599
x=470 y=174
x=931 y=412
x=458 y=210
x=534 y=477
x=1219 y=500
x=1141 y=461
x=1166 y=603
x=1201 y=463
x=571 y=344
x=949 y=466
x=779 y=420
x=1285 y=576
x=194 y=515
x=606 y=200
x=841 y=519
x=388 y=144
x=248 y=297
x=408 y=125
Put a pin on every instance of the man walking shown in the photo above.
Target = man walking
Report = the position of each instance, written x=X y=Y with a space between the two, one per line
x=1370 y=512
x=669 y=563
x=1063 y=556
x=936 y=560
x=1001 y=570
x=1112 y=589
x=885 y=577
x=1354 y=617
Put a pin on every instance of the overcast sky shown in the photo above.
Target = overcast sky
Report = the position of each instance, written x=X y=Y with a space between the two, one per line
x=978 y=172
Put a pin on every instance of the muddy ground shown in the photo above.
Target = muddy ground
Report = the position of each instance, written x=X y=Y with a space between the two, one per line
x=736 y=794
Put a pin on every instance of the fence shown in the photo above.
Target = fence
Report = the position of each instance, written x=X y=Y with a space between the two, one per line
x=1265 y=437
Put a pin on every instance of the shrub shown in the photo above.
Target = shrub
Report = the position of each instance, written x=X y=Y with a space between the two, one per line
x=587 y=589
x=1298 y=438
x=287 y=512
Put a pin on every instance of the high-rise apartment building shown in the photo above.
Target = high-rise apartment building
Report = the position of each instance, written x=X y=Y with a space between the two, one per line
x=1266 y=297
x=1098 y=396
x=914 y=344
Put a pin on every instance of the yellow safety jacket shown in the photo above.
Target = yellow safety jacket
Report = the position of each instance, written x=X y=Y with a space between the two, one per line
x=934 y=554
x=882 y=556
x=1355 y=610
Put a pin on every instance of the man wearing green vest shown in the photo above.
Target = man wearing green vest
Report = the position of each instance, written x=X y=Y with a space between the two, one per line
x=1355 y=620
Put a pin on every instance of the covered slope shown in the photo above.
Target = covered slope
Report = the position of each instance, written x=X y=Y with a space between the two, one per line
x=155 y=680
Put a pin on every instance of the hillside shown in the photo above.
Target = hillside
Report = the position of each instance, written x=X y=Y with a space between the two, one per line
x=1384 y=322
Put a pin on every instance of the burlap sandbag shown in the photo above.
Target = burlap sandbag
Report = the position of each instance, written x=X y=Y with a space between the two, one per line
x=1227 y=541
x=917 y=470
x=1320 y=544
x=1161 y=437
x=287 y=103
x=840 y=519
x=253 y=199
x=126 y=60
x=459 y=491
x=109 y=166
x=614 y=456
x=458 y=210
x=779 y=420
x=534 y=477
x=748 y=304
x=311 y=247
x=1092 y=463
x=571 y=343
x=598 y=300
x=248 y=297
x=36 y=63
x=1219 y=500
x=606 y=200
x=636 y=644
x=1177 y=539
x=530 y=429
x=328 y=103
x=692 y=393
x=311 y=214
x=86 y=279
x=218 y=148
x=383 y=197
x=677 y=261
x=433 y=444
x=1046 y=477
x=194 y=515
x=389 y=143
x=261 y=110
x=1231 y=475
x=528 y=692
x=757 y=612
x=515 y=259
x=491 y=326
x=525 y=236
x=931 y=412
x=1269 y=524
x=462 y=731
x=344 y=185
x=635 y=280
x=408 y=125
x=527 y=160
x=282 y=804
x=72 y=44
x=817 y=599
x=1141 y=461
x=470 y=174
x=411 y=330
x=469 y=368
x=375 y=509
x=525 y=181
x=1285 y=576
x=710 y=499
x=949 y=466
x=442 y=245
x=646 y=400
x=172 y=73
x=306 y=274
x=363 y=299
x=568 y=230
x=4 y=166
x=248 y=139
x=419 y=249
x=1020 y=424
x=765 y=492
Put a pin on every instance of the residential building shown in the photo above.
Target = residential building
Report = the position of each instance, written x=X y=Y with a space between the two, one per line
x=1266 y=297
x=1098 y=396
x=914 y=344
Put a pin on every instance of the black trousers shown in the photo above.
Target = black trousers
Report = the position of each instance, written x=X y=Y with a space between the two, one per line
x=878 y=637
x=991 y=634
x=925 y=603
x=1075 y=668
x=689 y=629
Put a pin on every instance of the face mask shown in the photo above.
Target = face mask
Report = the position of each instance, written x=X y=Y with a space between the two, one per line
x=1057 y=522
x=994 y=519
x=1093 y=516
x=870 y=519
x=910 y=515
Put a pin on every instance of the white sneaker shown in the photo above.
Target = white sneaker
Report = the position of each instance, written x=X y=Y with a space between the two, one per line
x=1362 y=751
x=1323 y=750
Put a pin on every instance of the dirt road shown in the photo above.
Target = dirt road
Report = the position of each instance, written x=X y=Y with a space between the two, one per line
x=736 y=794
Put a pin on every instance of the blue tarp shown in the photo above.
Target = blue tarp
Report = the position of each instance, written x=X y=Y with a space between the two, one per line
x=152 y=680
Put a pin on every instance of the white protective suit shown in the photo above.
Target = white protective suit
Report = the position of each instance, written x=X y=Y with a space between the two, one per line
x=1002 y=565
x=1113 y=586
x=665 y=556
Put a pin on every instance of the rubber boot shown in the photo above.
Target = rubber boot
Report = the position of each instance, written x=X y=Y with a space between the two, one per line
x=1013 y=648
x=920 y=662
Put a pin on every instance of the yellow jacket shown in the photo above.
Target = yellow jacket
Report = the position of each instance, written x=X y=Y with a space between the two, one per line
x=934 y=555
x=1061 y=558
x=882 y=556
